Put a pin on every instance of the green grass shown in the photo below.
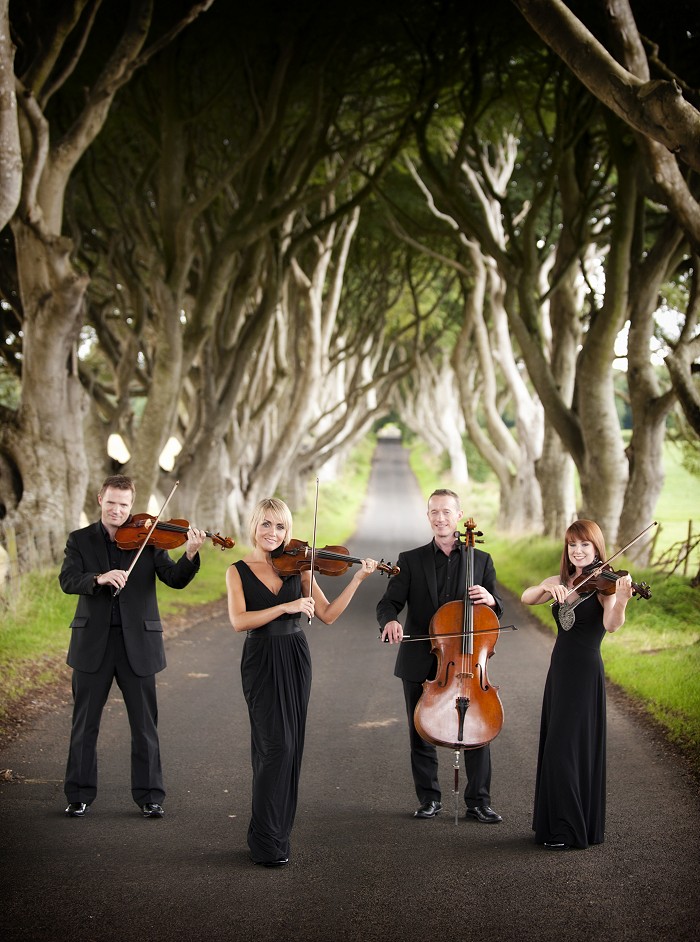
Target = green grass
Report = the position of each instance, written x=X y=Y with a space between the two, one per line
x=678 y=503
x=35 y=632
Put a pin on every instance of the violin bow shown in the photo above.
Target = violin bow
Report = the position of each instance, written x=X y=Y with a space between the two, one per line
x=148 y=535
x=456 y=634
x=598 y=569
x=313 y=546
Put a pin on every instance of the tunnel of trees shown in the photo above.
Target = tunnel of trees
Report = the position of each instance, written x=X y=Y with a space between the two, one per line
x=258 y=230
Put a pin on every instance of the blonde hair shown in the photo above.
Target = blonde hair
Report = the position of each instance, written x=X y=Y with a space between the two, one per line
x=278 y=510
x=590 y=532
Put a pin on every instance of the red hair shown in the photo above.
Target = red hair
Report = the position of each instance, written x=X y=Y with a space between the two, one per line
x=584 y=530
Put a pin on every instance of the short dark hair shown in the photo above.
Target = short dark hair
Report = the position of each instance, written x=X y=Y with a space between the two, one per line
x=445 y=492
x=120 y=481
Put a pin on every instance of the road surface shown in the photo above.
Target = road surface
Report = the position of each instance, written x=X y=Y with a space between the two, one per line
x=362 y=868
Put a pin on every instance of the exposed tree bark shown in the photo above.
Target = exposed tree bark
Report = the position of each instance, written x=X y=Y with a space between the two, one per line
x=682 y=362
x=10 y=150
x=562 y=332
x=649 y=403
x=605 y=470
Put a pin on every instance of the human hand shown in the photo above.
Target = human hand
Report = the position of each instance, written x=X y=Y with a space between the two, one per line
x=558 y=591
x=393 y=632
x=368 y=567
x=623 y=588
x=481 y=596
x=115 y=577
x=195 y=539
x=302 y=606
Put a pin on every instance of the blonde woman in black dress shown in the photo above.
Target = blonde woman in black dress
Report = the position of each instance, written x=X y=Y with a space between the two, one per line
x=570 y=784
x=276 y=672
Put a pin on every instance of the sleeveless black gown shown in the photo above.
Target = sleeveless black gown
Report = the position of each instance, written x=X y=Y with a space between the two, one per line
x=276 y=678
x=570 y=784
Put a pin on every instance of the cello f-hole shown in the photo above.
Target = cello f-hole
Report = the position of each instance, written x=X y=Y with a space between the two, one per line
x=446 y=680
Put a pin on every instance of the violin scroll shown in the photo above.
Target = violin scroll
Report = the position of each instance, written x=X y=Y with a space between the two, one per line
x=387 y=568
x=225 y=542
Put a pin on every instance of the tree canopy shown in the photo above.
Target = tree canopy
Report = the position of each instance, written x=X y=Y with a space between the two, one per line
x=257 y=233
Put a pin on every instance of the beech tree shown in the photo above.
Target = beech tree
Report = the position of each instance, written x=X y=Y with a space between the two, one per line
x=42 y=442
x=626 y=71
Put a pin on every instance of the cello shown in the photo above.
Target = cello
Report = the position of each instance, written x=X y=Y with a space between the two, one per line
x=460 y=708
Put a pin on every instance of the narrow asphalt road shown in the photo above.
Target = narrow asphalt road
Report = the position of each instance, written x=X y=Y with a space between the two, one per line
x=362 y=868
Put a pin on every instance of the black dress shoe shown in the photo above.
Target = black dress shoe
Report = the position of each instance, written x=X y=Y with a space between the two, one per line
x=484 y=815
x=282 y=862
x=77 y=809
x=555 y=845
x=152 y=810
x=428 y=809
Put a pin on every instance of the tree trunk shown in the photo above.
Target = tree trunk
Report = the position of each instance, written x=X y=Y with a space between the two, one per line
x=649 y=404
x=555 y=467
x=555 y=473
x=10 y=150
x=48 y=447
x=605 y=471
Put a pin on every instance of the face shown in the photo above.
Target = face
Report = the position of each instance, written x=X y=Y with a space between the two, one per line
x=444 y=514
x=581 y=553
x=116 y=506
x=270 y=533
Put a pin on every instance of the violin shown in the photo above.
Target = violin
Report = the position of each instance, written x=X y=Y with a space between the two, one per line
x=460 y=708
x=295 y=556
x=168 y=533
x=604 y=580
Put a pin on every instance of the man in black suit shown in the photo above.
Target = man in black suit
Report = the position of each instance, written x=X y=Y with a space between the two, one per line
x=117 y=636
x=428 y=578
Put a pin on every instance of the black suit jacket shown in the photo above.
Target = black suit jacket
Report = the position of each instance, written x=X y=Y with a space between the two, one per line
x=416 y=586
x=86 y=557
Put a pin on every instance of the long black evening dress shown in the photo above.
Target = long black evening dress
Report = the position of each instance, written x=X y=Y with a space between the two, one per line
x=570 y=784
x=276 y=677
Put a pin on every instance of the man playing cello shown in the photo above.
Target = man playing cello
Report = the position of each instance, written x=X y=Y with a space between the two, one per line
x=428 y=578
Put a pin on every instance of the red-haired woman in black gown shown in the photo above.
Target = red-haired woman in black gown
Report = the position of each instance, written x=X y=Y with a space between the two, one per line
x=276 y=672
x=570 y=784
